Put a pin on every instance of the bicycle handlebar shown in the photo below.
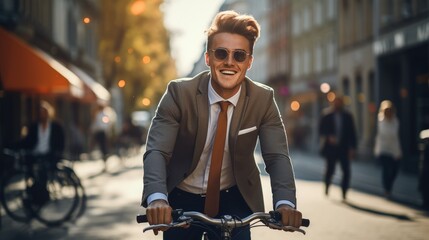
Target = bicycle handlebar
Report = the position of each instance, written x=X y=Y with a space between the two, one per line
x=180 y=218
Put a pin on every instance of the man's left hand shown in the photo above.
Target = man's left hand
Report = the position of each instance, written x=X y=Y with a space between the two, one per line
x=290 y=216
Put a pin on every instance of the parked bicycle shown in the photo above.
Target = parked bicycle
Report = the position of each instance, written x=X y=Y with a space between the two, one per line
x=37 y=189
x=226 y=223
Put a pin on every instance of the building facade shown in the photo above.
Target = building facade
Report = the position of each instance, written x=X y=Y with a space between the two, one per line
x=313 y=63
x=401 y=49
x=356 y=67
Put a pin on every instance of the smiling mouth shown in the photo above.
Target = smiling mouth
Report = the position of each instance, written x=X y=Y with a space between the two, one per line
x=228 y=72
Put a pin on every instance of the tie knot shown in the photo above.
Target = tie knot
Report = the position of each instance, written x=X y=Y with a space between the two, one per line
x=224 y=105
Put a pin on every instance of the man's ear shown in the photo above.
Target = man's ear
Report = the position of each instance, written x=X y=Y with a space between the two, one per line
x=250 y=63
x=206 y=55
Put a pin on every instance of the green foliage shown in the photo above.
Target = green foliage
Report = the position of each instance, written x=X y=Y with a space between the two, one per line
x=135 y=48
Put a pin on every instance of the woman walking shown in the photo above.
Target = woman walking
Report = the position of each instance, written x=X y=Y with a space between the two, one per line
x=387 y=145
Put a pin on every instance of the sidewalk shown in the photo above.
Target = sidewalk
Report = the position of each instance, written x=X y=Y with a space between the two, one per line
x=366 y=177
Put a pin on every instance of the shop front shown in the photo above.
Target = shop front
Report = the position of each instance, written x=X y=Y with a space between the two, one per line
x=28 y=75
x=403 y=65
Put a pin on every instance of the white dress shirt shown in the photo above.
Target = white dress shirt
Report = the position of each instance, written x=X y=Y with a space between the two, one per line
x=387 y=139
x=42 y=145
x=196 y=182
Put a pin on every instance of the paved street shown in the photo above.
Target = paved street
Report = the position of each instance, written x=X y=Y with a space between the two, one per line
x=113 y=202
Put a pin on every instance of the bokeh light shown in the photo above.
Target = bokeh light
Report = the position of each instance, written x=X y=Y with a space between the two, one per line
x=146 y=102
x=146 y=59
x=138 y=7
x=325 y=87
x=295 y=106
x=121 y=83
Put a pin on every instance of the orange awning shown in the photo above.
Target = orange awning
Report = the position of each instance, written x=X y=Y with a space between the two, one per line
x=97 y=92
x=27 y=69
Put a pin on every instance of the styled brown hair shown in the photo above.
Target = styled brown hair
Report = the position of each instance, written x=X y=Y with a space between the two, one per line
x=232 y=22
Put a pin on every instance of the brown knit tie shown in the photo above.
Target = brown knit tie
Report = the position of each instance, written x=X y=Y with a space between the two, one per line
x=213 y=186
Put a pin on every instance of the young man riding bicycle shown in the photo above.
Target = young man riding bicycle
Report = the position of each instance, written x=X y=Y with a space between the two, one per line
x=180 y=163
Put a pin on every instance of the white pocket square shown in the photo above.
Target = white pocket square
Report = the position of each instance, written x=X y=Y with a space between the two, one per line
x=246 y=130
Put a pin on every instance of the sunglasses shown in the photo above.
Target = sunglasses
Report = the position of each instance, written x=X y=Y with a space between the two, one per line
x=223 y=53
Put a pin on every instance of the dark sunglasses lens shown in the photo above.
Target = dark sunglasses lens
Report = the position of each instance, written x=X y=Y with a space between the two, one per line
x=240 y=56
x=220 y=54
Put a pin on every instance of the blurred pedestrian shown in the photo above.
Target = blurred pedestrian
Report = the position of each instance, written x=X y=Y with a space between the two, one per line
x=338 y=143
x=45 y=136
x=387 y=144
x=45 y=141
x=100 y=131
x=224 y=113
x=130 y=139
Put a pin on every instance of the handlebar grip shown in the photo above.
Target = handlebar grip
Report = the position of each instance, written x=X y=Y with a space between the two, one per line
x=305 y=222
x=141 y=218
x=278 y=217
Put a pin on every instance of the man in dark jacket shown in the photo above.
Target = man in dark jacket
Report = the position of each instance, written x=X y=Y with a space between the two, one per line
x=338 y=136
x=45 y=143
x=46 y=136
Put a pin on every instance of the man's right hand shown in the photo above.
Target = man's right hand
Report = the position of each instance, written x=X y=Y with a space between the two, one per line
x=159 y=212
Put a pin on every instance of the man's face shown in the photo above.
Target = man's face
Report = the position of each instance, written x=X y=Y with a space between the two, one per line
x=338 y=104
x=43 y=115
x=228 y=74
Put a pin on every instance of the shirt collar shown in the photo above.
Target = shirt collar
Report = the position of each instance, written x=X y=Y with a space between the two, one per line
x=214 y=96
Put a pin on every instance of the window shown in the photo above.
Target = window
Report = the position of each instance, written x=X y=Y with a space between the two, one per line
x=407 y=9
x=296 y=24
x=331 y=9
x=318 y=58
x=71 y=32
x=317 y=13
x=346 y=87
x=296 y=64
x=306 y=62
x=330 y=55
x=306 y=20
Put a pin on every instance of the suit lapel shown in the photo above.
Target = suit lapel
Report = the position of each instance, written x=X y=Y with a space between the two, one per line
x=202 y=120
x=235 y=124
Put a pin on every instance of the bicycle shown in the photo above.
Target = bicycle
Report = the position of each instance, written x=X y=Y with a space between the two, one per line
x=226 y=223
x=37 y=189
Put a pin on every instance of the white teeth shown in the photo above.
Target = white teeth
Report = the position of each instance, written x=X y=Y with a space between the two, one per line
x=228 y=72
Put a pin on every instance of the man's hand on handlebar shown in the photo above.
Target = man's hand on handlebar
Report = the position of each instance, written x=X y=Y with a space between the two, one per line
x=159 y=212
x=290 y=216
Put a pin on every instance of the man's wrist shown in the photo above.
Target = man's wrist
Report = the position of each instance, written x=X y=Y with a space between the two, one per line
x=285 y=202
x=156 y=196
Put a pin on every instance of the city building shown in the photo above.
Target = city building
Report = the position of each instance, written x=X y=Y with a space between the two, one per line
x=356 y=65
x=313 y=63
x=278 y=48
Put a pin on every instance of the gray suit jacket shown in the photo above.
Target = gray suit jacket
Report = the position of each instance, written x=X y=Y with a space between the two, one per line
x=179 y=129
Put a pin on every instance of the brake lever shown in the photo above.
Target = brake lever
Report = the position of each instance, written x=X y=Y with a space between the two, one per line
x=284 y=228
x=293 y=229
x=174 y=224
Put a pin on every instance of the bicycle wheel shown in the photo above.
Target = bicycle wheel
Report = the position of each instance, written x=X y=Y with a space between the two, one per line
x=81 y=206
x=63 y=199
x=13 y=194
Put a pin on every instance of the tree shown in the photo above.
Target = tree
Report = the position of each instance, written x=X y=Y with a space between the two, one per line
x=134 y=47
